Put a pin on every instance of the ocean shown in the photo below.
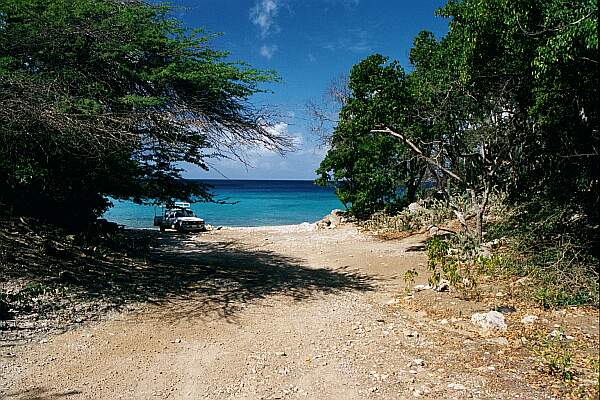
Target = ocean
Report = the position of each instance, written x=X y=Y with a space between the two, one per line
x=257 y=203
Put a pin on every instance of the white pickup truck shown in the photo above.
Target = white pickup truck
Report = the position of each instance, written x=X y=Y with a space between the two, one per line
x=181 y=218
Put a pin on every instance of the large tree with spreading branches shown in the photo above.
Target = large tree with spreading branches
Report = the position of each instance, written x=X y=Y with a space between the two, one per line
x=111 y=98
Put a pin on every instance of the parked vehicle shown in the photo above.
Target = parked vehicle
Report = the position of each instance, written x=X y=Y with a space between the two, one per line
x=181 y=218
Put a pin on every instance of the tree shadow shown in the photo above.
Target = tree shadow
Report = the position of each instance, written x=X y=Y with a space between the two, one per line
x=204 y=279
x=40 y=394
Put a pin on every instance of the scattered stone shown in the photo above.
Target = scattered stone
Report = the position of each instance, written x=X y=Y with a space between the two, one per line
x=422 y=391
x=433 y=230
x=414 y=207
x=490 y=321
x=523 y=281
x=418 y=362
x=529 y=319
x=419 y=288
x=557 y=334
x=332 y=220
x=443 y=286
x=501 y=341
x=337 y=212
x=456 y=386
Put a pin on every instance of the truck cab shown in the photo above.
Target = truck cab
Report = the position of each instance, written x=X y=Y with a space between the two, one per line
x=181 y=218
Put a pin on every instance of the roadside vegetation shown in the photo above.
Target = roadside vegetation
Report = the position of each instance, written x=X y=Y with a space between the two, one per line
x=99 y=100
x=496 y=121
x=108 y=99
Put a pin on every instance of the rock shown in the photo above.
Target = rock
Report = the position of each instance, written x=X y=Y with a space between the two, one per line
x=490 y=321
x=330 y=221
x=529 y=319
x=419 y=288
x=414 y=207
x=433 y=230
x=523 y=281
x=485 y=251
x=422 y=391
x=501 y=341
x=418 y=362
x=280 y=353
x=456 y=386
x=337 y=212
x=557 y=334
x=442 y=286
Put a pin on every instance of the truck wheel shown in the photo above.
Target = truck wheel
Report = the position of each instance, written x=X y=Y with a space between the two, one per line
x=162 y=228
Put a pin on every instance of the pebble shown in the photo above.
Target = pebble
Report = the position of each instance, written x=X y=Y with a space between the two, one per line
x=529 y=319
x=498 y=340
x=280 y=353
x=418 y=362
x=456 y=386
x=419 y=288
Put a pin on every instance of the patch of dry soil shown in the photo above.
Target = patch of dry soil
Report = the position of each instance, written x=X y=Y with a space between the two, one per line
x=287 y=313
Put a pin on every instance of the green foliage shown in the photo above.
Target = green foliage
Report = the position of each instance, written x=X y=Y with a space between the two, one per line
x=555 y=247
x=108 y=98
x=555 y=354
x=409 y=279
x=456 y=258
x=433 y=213
x=505 y=102
x=370 y=171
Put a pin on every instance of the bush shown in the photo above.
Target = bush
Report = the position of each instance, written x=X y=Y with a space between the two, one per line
x=435 y=212
x=556 y=247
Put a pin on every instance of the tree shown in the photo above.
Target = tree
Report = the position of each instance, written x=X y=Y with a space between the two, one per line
x=509 y=98
x=371 y=172
x=108 y=98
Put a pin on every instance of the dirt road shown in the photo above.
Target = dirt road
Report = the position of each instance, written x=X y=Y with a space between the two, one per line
x=283 y=313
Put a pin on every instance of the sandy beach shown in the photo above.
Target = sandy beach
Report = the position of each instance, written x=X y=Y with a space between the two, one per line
x=290 y=312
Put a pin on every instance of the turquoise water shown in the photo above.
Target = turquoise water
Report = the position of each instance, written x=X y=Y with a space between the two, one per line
x=258 y=203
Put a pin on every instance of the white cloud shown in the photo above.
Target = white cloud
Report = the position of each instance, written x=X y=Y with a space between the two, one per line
x=354 y=40
x=268 y=51
x=282 y=129
x=263 y=15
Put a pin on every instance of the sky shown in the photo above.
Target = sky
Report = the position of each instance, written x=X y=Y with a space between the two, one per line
x=309 y=43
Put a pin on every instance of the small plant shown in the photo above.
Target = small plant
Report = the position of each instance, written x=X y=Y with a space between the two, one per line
x=456 y=259
x=555 y=354
x=409 y=279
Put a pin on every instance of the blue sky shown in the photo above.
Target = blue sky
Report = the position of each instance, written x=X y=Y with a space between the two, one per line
x=309 y=43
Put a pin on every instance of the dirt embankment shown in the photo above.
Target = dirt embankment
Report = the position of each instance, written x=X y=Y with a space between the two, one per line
x=296 y=313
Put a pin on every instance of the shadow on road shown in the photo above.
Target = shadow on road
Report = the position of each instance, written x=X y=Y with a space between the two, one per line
x=217 y=277
x=41 y=394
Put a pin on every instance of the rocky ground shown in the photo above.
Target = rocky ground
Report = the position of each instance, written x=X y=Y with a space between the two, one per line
x=298 y=313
